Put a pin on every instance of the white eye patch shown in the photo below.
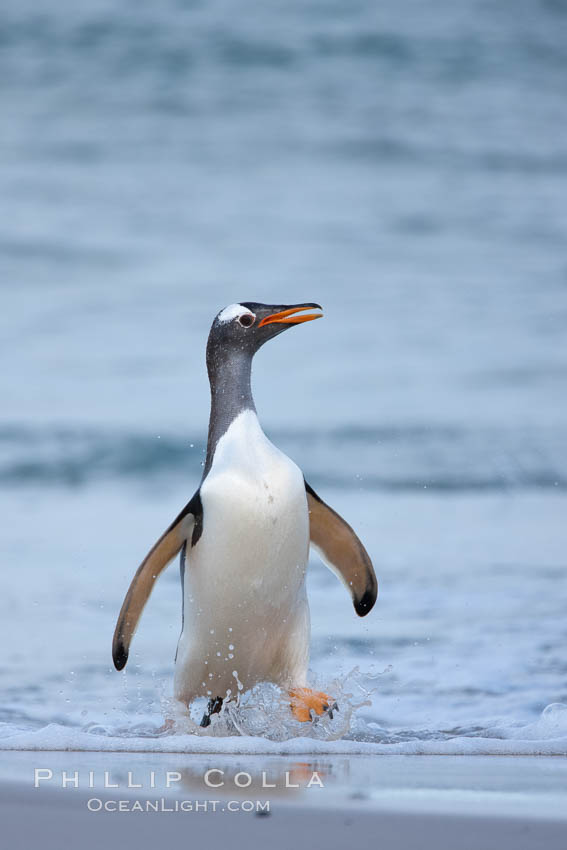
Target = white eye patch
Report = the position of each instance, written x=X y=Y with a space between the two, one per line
x=233 y=311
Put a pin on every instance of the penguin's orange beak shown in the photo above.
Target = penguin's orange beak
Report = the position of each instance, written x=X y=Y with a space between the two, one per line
x=287 y=317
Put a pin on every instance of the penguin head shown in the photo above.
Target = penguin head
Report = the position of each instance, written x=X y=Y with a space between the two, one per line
x=245 y=327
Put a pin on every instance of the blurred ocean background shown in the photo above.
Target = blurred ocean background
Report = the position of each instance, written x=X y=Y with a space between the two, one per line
x=403 y=164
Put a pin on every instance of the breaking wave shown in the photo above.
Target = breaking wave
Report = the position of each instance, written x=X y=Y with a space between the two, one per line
x=391 y=458
x=260 y=722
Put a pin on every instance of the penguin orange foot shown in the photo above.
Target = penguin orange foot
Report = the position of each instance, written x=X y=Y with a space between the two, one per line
x=306 y=703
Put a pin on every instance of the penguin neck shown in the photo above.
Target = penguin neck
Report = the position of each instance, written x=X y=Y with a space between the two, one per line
x=231 y=395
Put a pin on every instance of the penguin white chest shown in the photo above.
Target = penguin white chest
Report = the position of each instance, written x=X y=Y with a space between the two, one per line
x=254 y=506
x=245 y=606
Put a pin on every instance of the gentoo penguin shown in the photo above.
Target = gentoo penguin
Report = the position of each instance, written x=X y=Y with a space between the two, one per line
x=244 y=539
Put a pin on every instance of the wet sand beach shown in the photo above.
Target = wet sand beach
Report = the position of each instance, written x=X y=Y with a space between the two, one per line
x=474 y=803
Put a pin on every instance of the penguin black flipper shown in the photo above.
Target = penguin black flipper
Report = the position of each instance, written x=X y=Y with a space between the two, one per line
x=186 y=526
x=340 y=549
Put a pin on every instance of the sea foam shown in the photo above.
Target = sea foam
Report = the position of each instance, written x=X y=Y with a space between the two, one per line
x=257 y=726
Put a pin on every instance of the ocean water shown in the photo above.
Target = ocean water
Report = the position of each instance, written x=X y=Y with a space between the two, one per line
x=406 y=167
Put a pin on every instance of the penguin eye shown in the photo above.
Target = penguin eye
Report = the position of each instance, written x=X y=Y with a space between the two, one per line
x=247 y=320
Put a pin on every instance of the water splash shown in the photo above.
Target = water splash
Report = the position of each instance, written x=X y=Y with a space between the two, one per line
x=264 y=712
